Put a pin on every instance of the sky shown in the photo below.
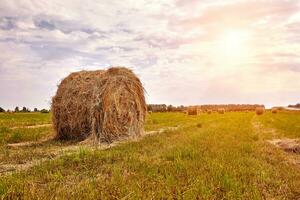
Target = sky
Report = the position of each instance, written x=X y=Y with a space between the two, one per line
x=184 y=51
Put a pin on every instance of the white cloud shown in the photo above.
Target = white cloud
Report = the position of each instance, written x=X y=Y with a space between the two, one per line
x=170 y=44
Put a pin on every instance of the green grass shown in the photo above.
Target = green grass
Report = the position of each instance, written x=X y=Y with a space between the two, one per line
x=13 y=130
x=13 y=127
x=207 y=157
x=283 y=122
x=23 y=119
x=23 y=134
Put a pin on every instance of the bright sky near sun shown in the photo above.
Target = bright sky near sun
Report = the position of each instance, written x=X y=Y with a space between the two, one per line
x=184 y=51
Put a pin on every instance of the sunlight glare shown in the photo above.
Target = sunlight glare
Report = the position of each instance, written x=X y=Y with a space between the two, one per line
x=233 y=48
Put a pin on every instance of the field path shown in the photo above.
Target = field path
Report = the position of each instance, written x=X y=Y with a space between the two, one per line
x=291 y=147
x=32 y=126
x=67 y=150
x=261 y=130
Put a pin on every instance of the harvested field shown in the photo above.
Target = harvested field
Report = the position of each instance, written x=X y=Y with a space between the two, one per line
x=180 y=153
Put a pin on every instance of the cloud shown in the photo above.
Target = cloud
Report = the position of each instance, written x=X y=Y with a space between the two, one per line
x=171 y=44
x=7 y=23
x=243 y=13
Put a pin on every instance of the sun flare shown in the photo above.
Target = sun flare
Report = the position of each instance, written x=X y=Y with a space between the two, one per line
x=233 y=48
x=234 y=42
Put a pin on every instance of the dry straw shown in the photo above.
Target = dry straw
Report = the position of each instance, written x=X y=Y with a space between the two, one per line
x=274 y=110
x=105 y=104
x=193 y=110
x=260 y=110
x=221 y=110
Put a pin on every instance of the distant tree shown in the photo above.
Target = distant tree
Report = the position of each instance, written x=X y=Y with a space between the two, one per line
x=294 y=106
x=149 y=107
x=164 y=107
x=35 y=110
x=170 y=108
x=44 y=111
x=1 y=109
x=24 y=109
x=17 y=109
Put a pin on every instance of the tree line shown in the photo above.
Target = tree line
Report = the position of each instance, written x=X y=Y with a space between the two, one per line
x=204 y=108
x=294 y=106
x=24 y=110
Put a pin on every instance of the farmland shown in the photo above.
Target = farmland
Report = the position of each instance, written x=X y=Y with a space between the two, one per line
x=208 y=156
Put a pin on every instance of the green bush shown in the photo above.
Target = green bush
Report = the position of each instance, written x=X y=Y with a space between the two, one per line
x=44 y=111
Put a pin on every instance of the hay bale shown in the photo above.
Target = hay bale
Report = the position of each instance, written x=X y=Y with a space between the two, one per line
x=221 y=110
x=260 y=110
x=209 y=111
x=274 y=110
x=193 y=110
x=106 y=104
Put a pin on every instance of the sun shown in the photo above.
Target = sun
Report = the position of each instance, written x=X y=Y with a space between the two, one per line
x=234 y=42
x=232 y=48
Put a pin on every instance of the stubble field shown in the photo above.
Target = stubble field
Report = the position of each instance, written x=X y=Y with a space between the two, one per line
x=210 y=156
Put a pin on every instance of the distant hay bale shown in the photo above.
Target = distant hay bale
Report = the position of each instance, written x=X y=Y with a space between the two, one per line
x=274 y=110
x=221 y=110
x=209 y=111
x=106 y=104
x=193 y=110
x=260 y=110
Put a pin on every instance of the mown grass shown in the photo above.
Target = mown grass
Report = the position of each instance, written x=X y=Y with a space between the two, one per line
x=286 y=123
x=23 y=119
x=222 y=158
x=13 y=127
x=156 y=121
x=23 y=134
x=13 y=130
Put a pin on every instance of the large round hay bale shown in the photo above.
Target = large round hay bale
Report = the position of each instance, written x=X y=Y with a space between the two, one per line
x=274 y=110
x=193 y=110
x=221 y=111
x=260 y=110
x=106 y=104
